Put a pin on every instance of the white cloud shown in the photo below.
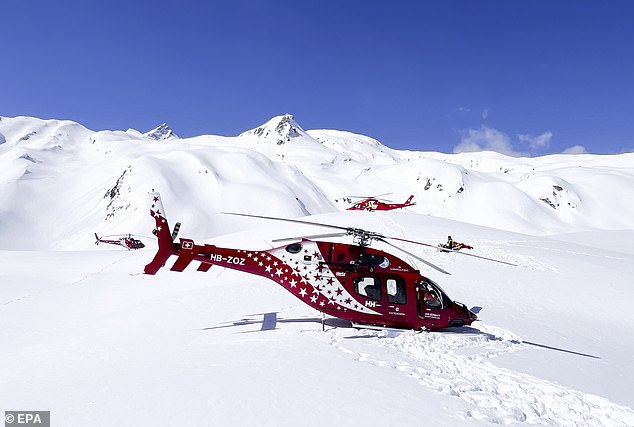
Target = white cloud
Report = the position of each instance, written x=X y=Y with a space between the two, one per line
x=464 y=109
x=485 y=113
x=536 y=142
x=575 y=149
x=488 y=139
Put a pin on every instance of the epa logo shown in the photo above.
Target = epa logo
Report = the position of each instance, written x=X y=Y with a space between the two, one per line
x=27 y=418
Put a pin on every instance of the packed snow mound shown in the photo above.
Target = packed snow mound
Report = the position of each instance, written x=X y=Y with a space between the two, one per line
x=355 y=147
x=87 y=181
x=160 y=133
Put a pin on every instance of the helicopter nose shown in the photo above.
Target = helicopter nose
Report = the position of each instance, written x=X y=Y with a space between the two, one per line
x=464 y=316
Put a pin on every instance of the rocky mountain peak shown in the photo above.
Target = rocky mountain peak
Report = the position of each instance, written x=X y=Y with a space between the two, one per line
x=280 y=129
x=160 y=133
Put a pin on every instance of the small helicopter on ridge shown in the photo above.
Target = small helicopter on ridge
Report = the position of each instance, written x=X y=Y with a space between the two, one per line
x=354 y=282
x=375 y=204
x=127 y=241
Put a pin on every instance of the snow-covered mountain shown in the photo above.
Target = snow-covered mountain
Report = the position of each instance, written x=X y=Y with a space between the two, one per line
x=160 y=133
x=90 y=181
x=91 y=339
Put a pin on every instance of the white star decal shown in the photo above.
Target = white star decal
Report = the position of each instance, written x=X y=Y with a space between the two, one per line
x=302 y=292
x=268 y=269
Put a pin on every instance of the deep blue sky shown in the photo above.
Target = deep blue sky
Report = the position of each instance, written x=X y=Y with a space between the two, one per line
x=424 y=75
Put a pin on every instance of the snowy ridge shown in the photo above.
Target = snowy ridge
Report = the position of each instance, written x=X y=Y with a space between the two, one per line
x=306 y=173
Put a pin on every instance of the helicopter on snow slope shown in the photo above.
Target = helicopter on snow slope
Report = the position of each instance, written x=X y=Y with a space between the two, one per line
x=127 y=241
x=373 y=203
x=353 y=282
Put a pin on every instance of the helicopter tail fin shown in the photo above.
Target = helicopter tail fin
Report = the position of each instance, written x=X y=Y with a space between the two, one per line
x=409 y=200
x=162 y=233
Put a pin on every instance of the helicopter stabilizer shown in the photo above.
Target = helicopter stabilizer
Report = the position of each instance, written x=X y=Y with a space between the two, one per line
x=162 y=232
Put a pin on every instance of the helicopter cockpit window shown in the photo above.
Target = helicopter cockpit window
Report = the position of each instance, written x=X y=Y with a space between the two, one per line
x=294 y=248
x=396 y=291
x=432 y=297
x=369 y=287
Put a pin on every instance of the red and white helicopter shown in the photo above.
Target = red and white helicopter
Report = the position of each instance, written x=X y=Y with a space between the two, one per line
x=353 y=282
x=375 y=204
x=127 y=241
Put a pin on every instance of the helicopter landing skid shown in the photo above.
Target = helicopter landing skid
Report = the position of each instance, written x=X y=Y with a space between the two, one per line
x=382 y=328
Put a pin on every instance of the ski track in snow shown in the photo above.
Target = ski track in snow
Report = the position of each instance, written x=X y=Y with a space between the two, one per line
x=459 y=365
x=74 y=283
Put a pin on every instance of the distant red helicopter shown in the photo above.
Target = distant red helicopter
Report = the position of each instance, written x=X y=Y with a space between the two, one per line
x=127 y=241
x=352 y=282
x=375 y=204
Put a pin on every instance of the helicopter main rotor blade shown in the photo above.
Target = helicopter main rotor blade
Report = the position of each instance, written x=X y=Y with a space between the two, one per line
x=450 y=250
x=411 y=241
x=480 y=256
x=371 y=197
x=314 y=236
x=414 y=256
x=370 y=235
x=297 y=221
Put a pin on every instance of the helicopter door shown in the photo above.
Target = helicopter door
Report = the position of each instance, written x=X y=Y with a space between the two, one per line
x=396 y=296
x=396 y=292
